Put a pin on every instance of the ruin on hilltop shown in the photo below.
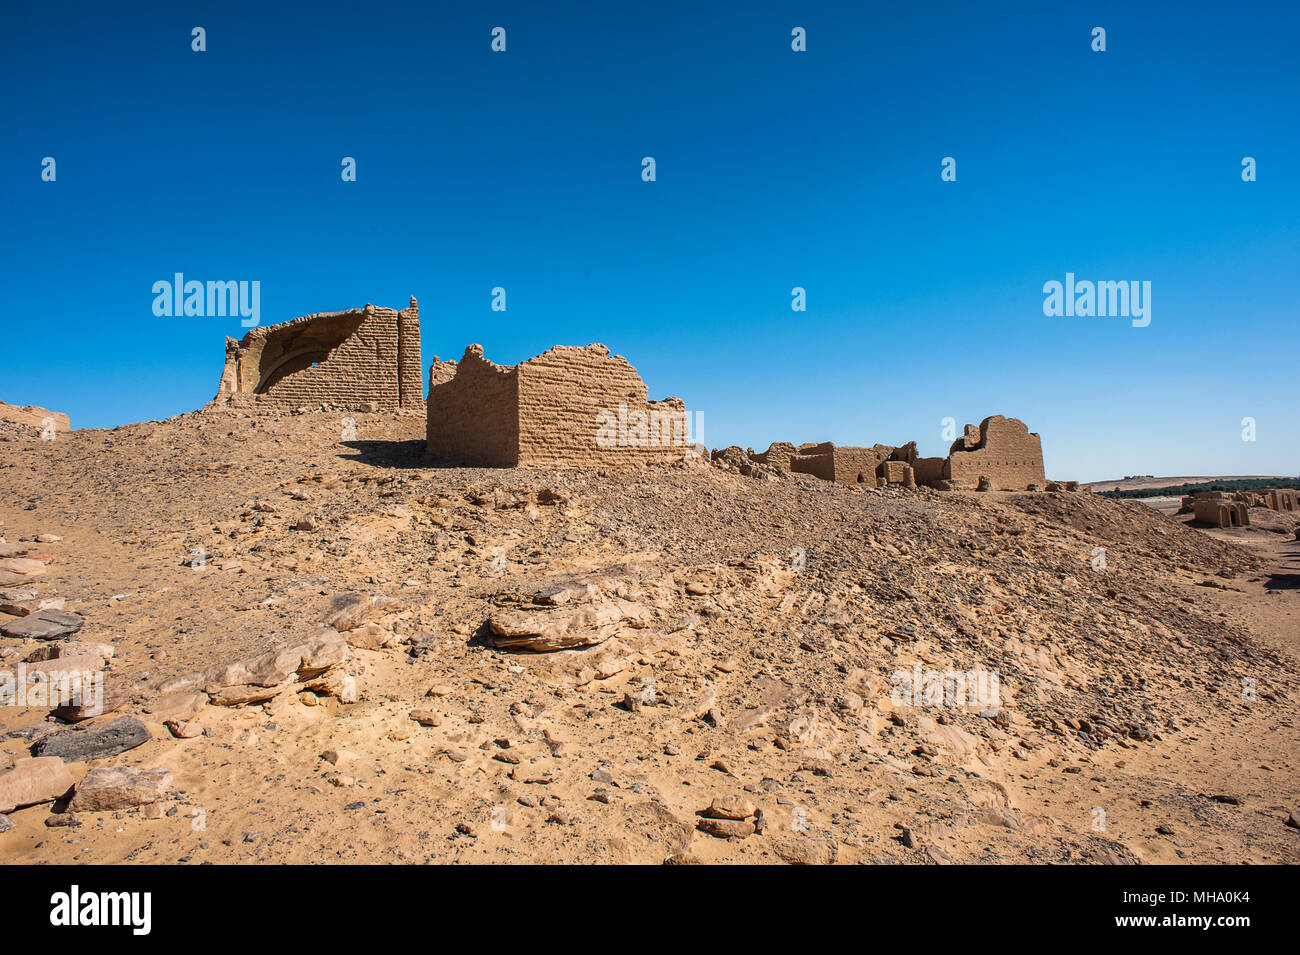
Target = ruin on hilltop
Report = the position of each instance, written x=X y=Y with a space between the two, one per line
x=361 y=358
x=571 y=406
x=1000 y=454
x=568 y=407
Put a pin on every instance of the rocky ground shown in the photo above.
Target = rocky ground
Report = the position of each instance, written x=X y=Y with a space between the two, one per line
x=319 y=648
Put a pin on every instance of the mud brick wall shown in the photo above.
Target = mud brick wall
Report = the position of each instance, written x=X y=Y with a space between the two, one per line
x=348 y=359
x=894 y=472
x=441 y=372
x=819 y=465
x=473 y=416
x=545 y=412
x=860 y=465
x=410 y=371
x=777 y=455
x=1282 y=500
x=1221 y=512
x=928 y=470
x=562 y=393
x=1002 y=449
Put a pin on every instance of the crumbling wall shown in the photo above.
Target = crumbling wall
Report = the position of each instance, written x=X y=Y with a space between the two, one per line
x=1282 y=499
x=441 y=372
x=1221 y=512
x=582 y=406
x=929 y=470
x=815 y=459
x=350 y=359
x=777 y=455
x=855 y=465
x=410 y=383
x=473 y=416
x=568 y=407
x=1001 y=449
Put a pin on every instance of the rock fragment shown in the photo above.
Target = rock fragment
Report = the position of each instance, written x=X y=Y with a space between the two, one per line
x=78 y=746
x=46 y=624
x=32 y=781
x=106 y=788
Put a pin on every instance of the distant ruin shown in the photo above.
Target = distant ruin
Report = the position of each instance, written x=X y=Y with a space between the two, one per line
x=1209 y=506
x=1282 y=499
x=1220 y=510
x=568 y=407
x=1001 y=450
x=46 y=422
x=362 y=358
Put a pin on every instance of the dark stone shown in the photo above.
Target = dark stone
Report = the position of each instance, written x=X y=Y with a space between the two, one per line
x=78 y=746
x=44 y=625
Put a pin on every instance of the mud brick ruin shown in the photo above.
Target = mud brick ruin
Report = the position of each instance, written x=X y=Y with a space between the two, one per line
x=1232 y=508
x=1001 y=450
x=363 y=359
x=1282 y=500
x=568 y=407
x=1219 y=510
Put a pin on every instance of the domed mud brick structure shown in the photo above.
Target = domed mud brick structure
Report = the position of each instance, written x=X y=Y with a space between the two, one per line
x=359 y=358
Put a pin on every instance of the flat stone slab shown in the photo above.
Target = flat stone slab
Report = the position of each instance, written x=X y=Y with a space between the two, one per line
x=20 y=603
x=107 y=788
x=33 y=781
x=44 y=625
x=23 y=566
x=78 y=710
x=78 y=746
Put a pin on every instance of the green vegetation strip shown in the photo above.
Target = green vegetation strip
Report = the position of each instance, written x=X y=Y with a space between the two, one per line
x=1179 y=490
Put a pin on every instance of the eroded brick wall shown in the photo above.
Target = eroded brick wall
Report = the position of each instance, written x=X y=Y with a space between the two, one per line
x=859 y=465
x=568 y=407
x=473 y=416
x=410 y=371
x=820 y=465
x=777 y=455
x=348 y=359
x=928 y=470
x=1003 y=450
x=583 y=406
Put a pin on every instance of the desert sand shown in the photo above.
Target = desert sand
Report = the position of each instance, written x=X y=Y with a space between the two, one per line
x=743 y=706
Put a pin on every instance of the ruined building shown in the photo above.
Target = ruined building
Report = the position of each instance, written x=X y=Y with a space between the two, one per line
x=358 y=359
x=568 y=407
x=1001 y=449
x=1220 y=510
x=1281 y=499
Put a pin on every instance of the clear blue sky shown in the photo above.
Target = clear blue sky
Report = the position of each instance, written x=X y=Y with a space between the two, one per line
x=775 y=169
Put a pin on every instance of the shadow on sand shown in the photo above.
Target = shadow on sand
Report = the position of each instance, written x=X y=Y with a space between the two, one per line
x=389 y=454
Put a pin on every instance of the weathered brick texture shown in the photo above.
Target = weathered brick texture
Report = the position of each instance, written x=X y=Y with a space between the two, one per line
x=1001 y=449
x=349 y=359
x=568 y=407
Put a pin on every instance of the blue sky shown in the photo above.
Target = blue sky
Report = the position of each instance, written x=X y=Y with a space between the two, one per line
x=775 y=169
